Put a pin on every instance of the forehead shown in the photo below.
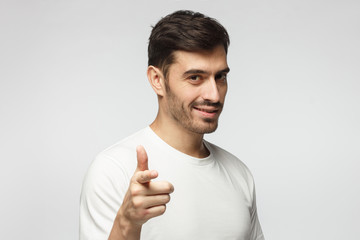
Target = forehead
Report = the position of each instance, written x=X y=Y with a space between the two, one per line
x=209 y=60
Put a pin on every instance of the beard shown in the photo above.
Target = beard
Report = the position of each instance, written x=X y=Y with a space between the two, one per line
x=182 y=114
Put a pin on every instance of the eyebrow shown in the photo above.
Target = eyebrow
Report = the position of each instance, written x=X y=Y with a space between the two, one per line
x=198 y=71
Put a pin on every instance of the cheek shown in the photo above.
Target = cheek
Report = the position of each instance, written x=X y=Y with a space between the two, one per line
x=223 y=92
x=188 y=95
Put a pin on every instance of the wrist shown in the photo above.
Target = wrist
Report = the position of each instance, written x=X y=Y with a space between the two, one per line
x=123 y=229
x=128 y=228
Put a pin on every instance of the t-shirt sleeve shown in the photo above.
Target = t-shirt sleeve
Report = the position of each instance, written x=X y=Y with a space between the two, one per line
x=256 y=231
x=255 y=227
x=104 y=187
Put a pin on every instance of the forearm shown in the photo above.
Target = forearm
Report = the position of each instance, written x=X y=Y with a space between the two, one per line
x=122 y=230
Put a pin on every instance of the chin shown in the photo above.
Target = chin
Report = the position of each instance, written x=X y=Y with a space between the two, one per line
x=203 y=128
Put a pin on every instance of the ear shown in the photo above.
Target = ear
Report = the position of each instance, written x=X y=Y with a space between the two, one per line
x=156 y=80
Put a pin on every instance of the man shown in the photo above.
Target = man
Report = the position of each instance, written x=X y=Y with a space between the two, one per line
x=214 y=195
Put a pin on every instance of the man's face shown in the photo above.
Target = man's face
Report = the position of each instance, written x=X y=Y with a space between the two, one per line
x=196 y=89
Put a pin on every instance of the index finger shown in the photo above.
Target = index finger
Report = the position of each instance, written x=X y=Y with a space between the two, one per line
x=145 y=176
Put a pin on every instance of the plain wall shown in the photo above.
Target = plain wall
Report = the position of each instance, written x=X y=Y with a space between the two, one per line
x=73 y=82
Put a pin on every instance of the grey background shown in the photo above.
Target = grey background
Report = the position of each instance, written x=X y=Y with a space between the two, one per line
x=73 y=82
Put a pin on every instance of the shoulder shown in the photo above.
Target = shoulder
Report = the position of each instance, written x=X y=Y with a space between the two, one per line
x=226 y=156
x=114 y=166
x=122 y=154
x=232 y=163
x=125 y=147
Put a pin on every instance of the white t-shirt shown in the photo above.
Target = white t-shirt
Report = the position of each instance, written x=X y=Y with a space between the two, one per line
x=214 y=197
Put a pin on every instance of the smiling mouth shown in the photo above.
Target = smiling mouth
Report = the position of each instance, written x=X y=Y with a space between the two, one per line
x=207 y=110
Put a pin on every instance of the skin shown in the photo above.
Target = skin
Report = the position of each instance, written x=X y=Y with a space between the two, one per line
x=205 y=82
x=190 y=103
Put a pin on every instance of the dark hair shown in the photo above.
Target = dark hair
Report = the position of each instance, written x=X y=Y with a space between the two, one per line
x=183 y=30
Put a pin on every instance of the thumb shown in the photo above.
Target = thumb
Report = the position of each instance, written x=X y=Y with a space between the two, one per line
x=142 y=159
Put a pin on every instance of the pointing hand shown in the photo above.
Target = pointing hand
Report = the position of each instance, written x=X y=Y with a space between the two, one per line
x=144 y=198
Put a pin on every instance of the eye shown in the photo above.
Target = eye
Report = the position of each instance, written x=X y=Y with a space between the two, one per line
x=195 y=78
x=221 y=77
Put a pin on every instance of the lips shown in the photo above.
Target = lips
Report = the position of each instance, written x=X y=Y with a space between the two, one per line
x=207 y=109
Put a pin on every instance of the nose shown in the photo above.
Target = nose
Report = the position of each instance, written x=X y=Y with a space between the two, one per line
x=211 y=91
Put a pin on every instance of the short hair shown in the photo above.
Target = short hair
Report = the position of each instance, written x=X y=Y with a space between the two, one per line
x=183 y=30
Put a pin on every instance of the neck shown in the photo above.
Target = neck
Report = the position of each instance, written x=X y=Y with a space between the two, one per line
x=180 y=138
